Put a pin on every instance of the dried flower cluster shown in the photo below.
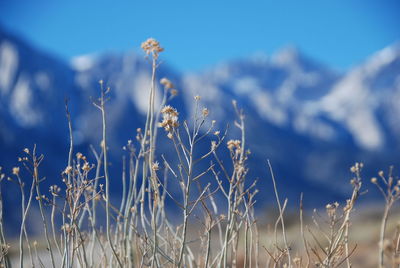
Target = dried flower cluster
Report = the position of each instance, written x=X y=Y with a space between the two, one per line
x=233 y=145
x=166 y=83
x=331 y=209
x=15 y=171
x=152 y=46
x=170 y=119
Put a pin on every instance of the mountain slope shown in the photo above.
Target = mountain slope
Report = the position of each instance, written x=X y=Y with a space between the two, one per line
x=310 y=121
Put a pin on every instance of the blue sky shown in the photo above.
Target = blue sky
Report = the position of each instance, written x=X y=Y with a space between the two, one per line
x=197 y=34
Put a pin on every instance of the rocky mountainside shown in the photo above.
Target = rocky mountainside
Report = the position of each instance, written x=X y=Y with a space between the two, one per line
x=312 y=122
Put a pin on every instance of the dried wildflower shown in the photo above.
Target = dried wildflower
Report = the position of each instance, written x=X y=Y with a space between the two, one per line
x=233 y=144
x=26 y=150
x=79 y=155
x=374 y=180
x=68 y=170
x=197 y=98
x=213 y=145
x=15 y=171
x=357 y=167
x=169 y=110
x=54 y=190
x=166 y=83
x=86 y=167
x=380 y=173
x=205 y=112
x=152 y=46
x=216 y=133
x=174 y=92
x=170 y=118
x=331 y=209
x=155 y=166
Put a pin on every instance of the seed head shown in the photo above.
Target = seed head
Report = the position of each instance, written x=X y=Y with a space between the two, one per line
x=205 y=112
x=68 y=170
x=166 y=83
x=233 y=144
x=15 y=171
x=174 y=92
x=170 y=118
x=86 y=167
x=213 y=145
x=155 y=166
x=152 y=46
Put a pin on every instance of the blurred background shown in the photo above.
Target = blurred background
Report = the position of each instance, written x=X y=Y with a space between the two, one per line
x=319 y=82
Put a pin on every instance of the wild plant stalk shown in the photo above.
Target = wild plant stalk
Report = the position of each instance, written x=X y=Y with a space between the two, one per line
x=391 y=193
x=24 y=209
x=54 y=190
x=66 y=256
x=153 y=169
x=101 y=106
x=36 y=161
x=4 y=258
x=302 y=232
x=93 y=214
x=287 y=249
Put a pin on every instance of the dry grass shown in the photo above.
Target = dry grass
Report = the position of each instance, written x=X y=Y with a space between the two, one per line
x=216 y=227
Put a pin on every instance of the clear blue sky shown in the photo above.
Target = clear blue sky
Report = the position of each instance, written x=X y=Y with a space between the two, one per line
x=200 y=33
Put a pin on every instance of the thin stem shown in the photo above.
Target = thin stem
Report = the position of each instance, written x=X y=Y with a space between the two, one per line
x=382 y=234
x=39 y=196
x=280 y=214
x=105 y=160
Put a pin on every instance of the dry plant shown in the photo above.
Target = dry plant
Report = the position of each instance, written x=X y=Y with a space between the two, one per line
x=83 y=228
x=390 y=189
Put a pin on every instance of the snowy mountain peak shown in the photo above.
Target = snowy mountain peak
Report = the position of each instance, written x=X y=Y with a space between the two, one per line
x=382 y=59
x=83 y=63
x=287 y=56
x=357 y=98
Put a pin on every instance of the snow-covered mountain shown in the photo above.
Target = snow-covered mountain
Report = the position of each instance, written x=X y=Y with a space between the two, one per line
x=311 y=121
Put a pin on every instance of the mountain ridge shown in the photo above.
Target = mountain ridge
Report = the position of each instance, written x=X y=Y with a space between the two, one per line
x=297 y=114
